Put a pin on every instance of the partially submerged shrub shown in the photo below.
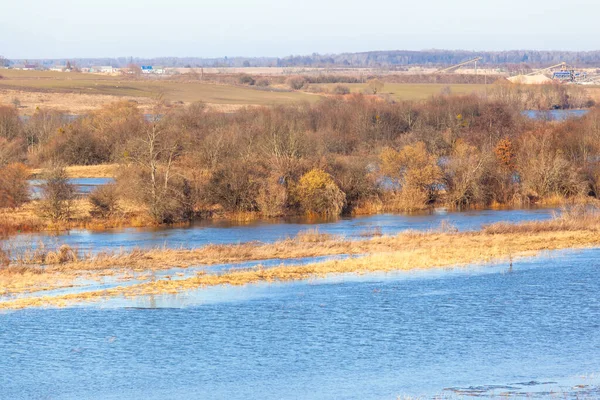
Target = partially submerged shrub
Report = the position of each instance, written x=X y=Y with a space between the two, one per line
x=318 y=194
x=57 y=195
x=104 y=200
x=272 y=197
x=64 y=254
x=315 y=236
x=14 y=185
x=416 y=172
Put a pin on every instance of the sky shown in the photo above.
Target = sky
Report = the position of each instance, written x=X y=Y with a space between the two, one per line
x=217 y=28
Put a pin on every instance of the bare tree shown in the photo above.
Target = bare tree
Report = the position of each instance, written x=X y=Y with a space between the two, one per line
x=375 y=86
x=154 y=153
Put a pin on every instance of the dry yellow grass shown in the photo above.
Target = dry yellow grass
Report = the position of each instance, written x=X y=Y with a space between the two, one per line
x=427 y=251
x=32 y=280
x=405 y=251
x=85 y=171
x=26 y=218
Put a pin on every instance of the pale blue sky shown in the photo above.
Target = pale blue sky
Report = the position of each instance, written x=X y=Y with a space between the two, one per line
x=210 y=28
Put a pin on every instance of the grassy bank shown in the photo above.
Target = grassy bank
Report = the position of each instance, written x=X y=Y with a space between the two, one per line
x=406 y=251
x=84 y=171
x=27 y=219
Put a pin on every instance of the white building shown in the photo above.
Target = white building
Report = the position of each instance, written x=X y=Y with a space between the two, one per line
x=103 y=69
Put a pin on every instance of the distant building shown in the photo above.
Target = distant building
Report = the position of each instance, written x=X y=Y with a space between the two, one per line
x=103 y=69
x=149 y=69
x=29 y=67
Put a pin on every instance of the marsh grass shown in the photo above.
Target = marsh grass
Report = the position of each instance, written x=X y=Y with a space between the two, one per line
x=443 y=247
x=371 y=232
x=315 y=236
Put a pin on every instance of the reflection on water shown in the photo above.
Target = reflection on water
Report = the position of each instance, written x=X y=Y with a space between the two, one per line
x=204 y=233
x=530 y=330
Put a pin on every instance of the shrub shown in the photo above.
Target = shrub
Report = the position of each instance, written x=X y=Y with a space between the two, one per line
x=234 y=188
x=318 y=194
x=415 y=170
x=272 y=197
x=374 y=86
x=246 y=79
x=14 y=186
x=296 y=82
x=467 y=176
x=57 y=195
x=10 y=124
x=263 y=82
x=341 y=90
x=104 y=200
x=64 y=254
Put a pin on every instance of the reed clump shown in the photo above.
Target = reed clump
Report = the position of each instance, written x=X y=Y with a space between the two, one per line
x=315 y=236
x=574 y=218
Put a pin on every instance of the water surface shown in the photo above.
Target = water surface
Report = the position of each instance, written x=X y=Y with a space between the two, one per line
x=83 y=186
x=527 y=330
x=203 y=233
x=554 y=115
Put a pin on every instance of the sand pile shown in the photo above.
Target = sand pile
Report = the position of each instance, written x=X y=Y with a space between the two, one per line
x=530 y=79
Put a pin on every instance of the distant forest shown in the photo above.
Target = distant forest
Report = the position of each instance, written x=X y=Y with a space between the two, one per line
x=384 y=59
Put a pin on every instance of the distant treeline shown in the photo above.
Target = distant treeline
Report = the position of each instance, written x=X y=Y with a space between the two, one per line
x=383 y=59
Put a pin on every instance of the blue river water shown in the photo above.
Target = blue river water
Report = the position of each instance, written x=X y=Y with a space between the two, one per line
x=554 y=115
x=531 y=330
x=83 y=186
x=203 y=233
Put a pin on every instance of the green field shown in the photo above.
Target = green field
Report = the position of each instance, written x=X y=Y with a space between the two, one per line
x=411 y=91
x=172 y=90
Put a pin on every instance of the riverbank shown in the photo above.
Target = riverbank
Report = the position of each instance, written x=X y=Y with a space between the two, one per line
x=405 y=251
x=26 y=219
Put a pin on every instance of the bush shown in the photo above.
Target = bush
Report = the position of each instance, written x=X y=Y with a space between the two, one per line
x=246 y=79
x=341 y=90
x=104 y=200
x=166 y=202
x=296 y=82
x=14 y=186
x=234 y=188
x=318 y=194
x=272 y=197
x=263 y=82
x=374 y=86
x=415 y=170
x=57 y=195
